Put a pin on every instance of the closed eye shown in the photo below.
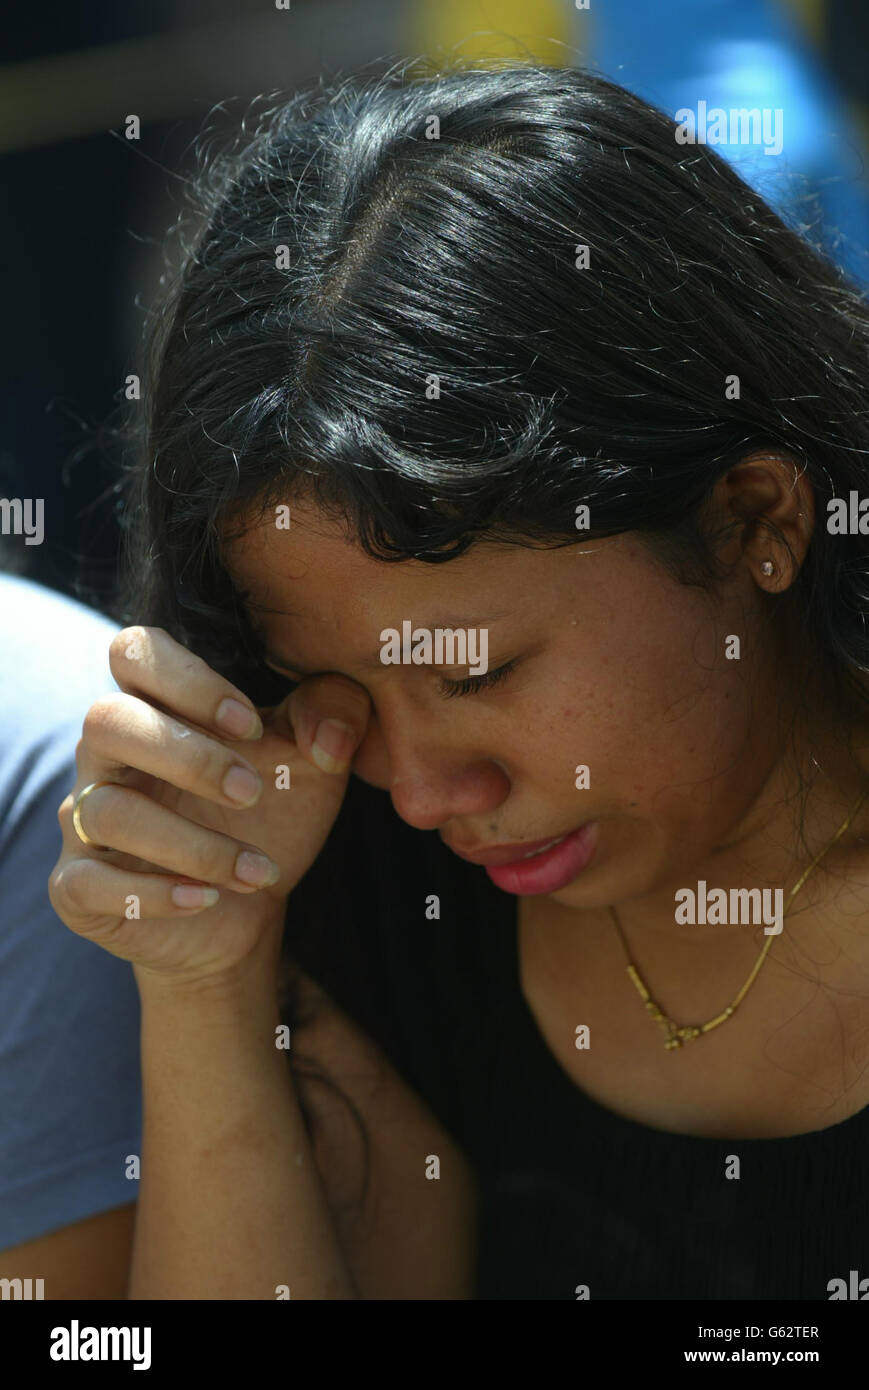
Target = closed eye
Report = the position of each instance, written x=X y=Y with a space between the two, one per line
x=473 y=684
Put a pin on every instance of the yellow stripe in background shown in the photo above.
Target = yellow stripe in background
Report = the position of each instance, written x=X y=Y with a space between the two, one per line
x=810 y=14
x=542 y=31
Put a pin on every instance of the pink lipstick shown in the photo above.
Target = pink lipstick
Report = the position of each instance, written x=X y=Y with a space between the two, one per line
x=544 y=866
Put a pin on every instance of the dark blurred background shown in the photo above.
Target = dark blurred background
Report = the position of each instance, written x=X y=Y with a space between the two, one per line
x=84 y=210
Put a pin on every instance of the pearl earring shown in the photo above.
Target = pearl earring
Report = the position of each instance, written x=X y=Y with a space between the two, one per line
x=767 y=567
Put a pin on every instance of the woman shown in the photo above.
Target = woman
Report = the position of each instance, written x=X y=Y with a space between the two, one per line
x=491 y=354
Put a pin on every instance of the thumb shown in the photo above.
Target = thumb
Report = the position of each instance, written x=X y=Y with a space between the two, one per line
x=329 y=715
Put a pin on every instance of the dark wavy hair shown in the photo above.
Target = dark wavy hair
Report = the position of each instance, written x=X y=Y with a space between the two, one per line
x=368 y=238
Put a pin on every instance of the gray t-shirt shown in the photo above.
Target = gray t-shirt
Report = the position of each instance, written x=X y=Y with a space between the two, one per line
x=70 y=1086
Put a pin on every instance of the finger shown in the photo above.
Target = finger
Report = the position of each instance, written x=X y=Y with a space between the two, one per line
x=329 y=715
x=82 y=888
x=146 y=661
x=121 y=731
x=128 y=822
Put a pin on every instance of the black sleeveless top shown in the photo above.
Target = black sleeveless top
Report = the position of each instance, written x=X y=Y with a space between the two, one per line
x=571 y=1194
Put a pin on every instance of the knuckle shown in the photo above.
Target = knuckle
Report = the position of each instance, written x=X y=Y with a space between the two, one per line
x=64 y=812
x=101 y=715
x=53 y=890
x=204 y=760
x=216 y=860
x=351 y=697
x=70 y=886
x=106 y=815
x=338 y=697
x=130 y=644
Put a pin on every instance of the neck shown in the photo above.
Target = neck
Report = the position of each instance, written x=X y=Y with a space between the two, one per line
x=806 y=797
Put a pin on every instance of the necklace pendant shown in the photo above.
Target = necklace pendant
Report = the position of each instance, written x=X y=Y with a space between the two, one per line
x=676 y=1036
x=673 y=1040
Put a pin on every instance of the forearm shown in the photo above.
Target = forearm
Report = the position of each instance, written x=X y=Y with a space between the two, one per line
x=230 y=1201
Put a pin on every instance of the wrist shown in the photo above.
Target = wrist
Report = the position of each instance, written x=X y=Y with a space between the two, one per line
x=253 y=975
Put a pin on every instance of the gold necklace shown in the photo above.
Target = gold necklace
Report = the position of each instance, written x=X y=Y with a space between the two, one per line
x=678 y=1035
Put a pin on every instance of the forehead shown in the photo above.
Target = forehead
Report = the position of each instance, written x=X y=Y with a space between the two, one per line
x=315 y=569
x=295 y=551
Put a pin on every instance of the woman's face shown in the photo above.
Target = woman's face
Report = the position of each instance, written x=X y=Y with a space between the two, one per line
x=616 y=667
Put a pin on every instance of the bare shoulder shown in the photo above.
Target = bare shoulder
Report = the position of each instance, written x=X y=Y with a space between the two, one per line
x=406 y=1233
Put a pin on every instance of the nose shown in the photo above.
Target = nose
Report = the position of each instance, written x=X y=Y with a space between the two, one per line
x=430 y=794
x=430 y=781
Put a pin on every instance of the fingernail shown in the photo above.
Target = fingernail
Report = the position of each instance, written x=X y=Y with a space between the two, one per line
x=189 y=895
x=241 y=785
x=333 y=746
x=238 y=719
x=256 y=869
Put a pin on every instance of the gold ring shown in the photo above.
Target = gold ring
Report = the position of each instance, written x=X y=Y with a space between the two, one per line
x=76 y=815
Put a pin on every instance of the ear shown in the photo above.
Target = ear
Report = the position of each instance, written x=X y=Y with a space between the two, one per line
x=769 y=490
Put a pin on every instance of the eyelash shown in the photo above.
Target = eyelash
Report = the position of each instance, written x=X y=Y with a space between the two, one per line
x=472 y=685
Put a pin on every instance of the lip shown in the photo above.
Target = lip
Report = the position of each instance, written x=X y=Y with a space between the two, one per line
x=549 y=872
x=552 y=870
x=498 y=855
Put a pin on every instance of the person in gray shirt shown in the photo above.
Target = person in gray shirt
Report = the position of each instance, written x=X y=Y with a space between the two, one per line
x=70 y=1089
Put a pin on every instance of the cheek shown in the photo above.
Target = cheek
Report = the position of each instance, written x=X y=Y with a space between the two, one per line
x=647 y=723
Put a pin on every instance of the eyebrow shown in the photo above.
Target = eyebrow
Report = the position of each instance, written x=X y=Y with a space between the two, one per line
x=374 y=663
